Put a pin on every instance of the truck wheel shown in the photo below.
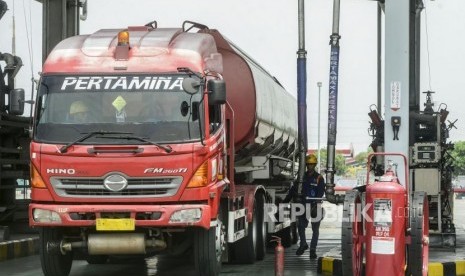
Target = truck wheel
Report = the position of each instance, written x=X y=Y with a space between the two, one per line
x=351 y=235
x=54 y=263
x=208 y=249
x=262 y=230
x=97 y=259
x=419 y=224
x=245 y=249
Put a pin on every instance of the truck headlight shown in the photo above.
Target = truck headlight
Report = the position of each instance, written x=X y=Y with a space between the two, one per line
x=41 y=215
x=188 y=215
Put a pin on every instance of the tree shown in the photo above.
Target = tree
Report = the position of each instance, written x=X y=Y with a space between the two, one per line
x=340 y=162
x=362 y=157
x=459 y=158
x=341 y=166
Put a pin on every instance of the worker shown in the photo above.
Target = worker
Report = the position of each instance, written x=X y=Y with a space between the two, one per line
x=313 y=188
x=78 y=112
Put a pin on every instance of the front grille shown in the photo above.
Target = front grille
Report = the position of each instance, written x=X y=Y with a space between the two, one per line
x=137 y=187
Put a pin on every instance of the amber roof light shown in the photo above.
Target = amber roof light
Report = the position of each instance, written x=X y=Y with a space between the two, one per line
x=123 y=38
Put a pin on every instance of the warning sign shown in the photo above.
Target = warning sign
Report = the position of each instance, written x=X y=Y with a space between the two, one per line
x=395 y=95
x=119 y=103
x=382 y=212
x=383 y=245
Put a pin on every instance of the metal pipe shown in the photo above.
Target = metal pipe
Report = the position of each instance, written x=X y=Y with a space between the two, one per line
x=379 y=54
x=13 y=38
x=69 y=246
x=156 y=244
x=105 y=244
x=319 y=84
x=301 y=25
x=64 y=19
x=336 y=16
x=332 y=107
x=301 y=95
x=83 y=16
x=126 y=243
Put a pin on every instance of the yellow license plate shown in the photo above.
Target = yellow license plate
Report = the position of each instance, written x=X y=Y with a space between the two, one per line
x=115 y=224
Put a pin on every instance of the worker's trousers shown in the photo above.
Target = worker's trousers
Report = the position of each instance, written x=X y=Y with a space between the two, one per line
x=302 y=224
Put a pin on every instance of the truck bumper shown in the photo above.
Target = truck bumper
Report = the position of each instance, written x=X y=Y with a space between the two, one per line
x=143 y=215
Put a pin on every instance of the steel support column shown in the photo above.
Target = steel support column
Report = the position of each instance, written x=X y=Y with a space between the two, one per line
x=397 y=80
x=60 y=20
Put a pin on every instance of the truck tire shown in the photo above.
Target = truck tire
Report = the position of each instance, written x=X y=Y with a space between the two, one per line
x=417 y=264
x=53 y=263
x=208 y=249
x=262 y=230
x=245 y=249
x=97 y=259
x=351 y=235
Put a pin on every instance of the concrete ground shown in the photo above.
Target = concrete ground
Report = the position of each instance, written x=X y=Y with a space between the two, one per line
x=442 y=261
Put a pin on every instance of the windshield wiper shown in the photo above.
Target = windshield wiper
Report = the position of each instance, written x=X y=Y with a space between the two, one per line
x=168 y=149
x=64 y=148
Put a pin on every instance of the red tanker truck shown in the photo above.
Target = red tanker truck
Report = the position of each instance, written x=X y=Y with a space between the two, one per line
x=153 y=139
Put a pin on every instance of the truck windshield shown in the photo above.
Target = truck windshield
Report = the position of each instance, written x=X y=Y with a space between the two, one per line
x=154 y=108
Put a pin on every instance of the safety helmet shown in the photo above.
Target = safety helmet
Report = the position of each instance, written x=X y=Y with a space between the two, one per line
x=78 y=107
x=311 y=159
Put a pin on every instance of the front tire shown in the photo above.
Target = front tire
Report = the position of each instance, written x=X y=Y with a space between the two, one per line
x=53 y=263
x=208 y=249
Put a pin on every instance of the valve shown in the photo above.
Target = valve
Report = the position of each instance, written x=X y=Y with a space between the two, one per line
x=374 y=116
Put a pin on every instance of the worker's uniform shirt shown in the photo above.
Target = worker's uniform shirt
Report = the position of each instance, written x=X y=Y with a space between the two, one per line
x=313 y=186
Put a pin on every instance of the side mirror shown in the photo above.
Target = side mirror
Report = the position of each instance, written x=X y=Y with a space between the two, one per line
x=16 y=102
x=216 y=92
x=190 y=85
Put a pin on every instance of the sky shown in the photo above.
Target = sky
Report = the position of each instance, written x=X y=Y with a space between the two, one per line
x=268 y=31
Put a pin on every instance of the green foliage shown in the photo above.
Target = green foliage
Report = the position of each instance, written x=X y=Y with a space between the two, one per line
x=353 y=171
x=341 y=167
x=361 y=157
x=459 y=158
x=340 y=164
